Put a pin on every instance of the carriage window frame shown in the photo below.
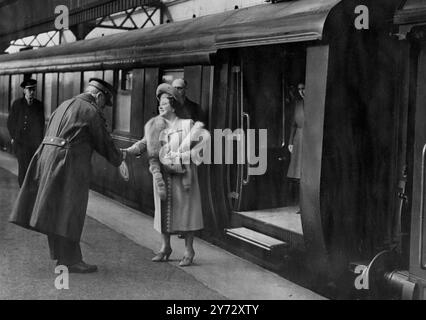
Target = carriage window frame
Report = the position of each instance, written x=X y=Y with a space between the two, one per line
x=123 y=84
x=50 y=93
x=15 y=91
x=168 y=75
x=69 y=85
x=4 y=95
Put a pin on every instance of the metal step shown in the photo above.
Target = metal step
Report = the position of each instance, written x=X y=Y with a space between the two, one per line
x=279 y=223
x=257 y=239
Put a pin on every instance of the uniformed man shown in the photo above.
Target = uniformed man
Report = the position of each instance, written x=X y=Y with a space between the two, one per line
x=26 y=126
x=53 y=198
x=190 y=109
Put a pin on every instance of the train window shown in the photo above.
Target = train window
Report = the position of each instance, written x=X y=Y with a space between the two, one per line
x=39 y=92
x=126 y=80
x=171 y=74
x=4 y=96
x=122 y=107
x=108 y=76
x=87 y=75
x=50 y=93
x=15 y=87
x=69 y=85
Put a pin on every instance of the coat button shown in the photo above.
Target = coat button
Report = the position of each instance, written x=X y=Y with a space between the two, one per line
x=63 y=142
x=51 y=140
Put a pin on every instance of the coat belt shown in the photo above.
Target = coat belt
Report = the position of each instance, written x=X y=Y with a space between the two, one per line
x=55 y=141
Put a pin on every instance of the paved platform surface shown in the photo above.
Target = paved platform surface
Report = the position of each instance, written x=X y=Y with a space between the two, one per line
x=122 y=241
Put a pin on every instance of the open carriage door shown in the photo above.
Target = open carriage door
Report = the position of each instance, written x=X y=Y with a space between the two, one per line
x=269 y=209
x=256 y=176
x=262 y=57
x=411 y=19
x=263 y=192
x=234 y=166
x=418 y=209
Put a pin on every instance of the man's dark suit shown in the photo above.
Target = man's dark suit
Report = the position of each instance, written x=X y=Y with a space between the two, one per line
x=26 y=128
x=189 y=110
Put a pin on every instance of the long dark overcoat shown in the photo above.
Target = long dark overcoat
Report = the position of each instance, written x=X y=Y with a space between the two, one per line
x=54 y=195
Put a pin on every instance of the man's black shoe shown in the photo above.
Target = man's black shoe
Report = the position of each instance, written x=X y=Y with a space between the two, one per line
x=82 y=267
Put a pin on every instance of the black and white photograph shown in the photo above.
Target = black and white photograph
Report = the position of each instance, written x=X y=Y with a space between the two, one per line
x=212 y=156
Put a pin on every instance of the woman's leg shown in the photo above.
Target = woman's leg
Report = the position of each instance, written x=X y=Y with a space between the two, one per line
x=189 y=244
x=165 y=242
x=189 y=250
x=166 y=249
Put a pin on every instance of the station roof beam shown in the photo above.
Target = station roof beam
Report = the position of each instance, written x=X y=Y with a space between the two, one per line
x=19 y=19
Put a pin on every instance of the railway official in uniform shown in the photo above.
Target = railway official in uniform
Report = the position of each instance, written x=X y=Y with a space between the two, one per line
x=53 y=198
x=26 y=126
x=190 y=109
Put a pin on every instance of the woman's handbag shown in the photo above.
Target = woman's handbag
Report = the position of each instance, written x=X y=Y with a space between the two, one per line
x=124 y=171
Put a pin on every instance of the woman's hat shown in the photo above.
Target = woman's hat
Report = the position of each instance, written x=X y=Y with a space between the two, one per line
x=167 y=88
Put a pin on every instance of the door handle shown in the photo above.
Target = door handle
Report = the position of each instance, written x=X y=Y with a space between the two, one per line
x=246 y=179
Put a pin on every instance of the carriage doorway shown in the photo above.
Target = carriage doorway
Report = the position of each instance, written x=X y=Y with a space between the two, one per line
x=264 y=94
x=417 y=151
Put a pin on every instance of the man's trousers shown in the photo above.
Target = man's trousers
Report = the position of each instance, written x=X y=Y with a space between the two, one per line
x=24 y=155
x=66 y=251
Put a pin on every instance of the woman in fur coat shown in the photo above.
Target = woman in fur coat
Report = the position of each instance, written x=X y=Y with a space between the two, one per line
x=172 y=145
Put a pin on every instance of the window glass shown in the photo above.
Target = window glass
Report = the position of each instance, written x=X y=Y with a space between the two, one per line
x=69 y=85
x=171 y=74
x=108 y=76
x=49 y=93
x=122 y=106
x=16 y=90
x=91 y=74
x=4 y=95
x=39 y=92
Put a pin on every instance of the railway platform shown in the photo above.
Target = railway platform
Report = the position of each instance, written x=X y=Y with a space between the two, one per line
x=121 y=241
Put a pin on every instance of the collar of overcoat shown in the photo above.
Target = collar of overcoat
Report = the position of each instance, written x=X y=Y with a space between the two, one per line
x=90 y=99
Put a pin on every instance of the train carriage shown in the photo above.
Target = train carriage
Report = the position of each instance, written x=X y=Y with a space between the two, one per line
x=410 y=22
x=242 y=68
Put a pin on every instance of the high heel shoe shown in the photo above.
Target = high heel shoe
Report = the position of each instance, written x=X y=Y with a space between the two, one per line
x=162 y=256
x=186 y=261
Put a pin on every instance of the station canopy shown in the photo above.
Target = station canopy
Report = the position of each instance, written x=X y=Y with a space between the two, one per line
x=23 y=18
x=188 y=42
x=411 y=14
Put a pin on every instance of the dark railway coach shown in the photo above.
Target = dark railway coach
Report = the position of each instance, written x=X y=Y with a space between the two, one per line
x=358 y=129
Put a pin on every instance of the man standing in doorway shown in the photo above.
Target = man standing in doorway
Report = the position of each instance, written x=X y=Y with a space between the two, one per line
x=26 y=126
x=53 y=198
x=190 y=109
